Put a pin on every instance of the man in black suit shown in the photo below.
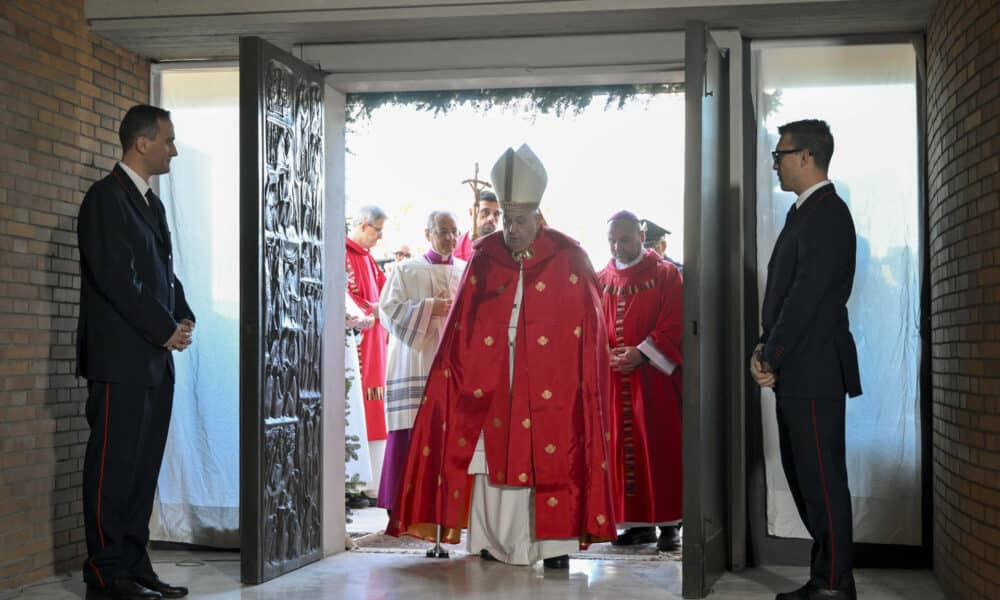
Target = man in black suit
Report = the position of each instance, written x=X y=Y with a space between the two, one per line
x=133 y=314
x=807 y=354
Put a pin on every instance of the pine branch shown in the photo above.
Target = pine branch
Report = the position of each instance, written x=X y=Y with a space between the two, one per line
x=545 y=100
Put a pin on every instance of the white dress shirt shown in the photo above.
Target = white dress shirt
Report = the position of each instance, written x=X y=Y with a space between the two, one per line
x=805 y=195
x=139 y=182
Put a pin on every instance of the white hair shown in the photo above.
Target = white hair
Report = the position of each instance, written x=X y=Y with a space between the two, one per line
x=433 y=217
x=370 y=214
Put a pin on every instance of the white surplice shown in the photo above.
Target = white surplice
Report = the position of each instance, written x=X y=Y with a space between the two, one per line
x=405 y=311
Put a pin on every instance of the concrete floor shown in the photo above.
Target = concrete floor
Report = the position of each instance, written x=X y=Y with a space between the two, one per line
x=378 y=575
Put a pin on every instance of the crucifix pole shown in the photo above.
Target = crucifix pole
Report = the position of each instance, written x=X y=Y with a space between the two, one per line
x=477 y=185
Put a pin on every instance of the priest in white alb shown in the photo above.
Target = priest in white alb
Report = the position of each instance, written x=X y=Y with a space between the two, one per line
x=413 y=307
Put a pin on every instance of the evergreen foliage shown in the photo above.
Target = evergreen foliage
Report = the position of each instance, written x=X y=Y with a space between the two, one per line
x=545 y=100
x=352 y=443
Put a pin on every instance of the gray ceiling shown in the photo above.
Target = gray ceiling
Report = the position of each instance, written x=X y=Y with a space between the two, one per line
x=216 y=37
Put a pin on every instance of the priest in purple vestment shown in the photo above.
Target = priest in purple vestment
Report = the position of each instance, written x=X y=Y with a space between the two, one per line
x=413 y=307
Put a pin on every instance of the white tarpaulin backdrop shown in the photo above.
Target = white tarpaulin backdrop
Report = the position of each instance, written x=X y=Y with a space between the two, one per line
x=868 y=96
x=198 y=492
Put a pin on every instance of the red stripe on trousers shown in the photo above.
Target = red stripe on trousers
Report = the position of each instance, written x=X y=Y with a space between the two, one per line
x=826 y=495
x=100 y=480
x=104 y=454
x=96 y=572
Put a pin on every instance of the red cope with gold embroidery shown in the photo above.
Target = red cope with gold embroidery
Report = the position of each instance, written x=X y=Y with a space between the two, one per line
x=364 y=284
x=550 y=433
x=640 y=302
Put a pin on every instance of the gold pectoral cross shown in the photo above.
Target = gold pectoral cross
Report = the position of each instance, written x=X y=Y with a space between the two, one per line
x=523 y=255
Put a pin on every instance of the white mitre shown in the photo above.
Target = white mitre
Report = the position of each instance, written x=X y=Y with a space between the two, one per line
x=519 y=178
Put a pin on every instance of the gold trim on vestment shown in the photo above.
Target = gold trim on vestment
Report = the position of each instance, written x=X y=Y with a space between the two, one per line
x=630 y=290
x=428 y=531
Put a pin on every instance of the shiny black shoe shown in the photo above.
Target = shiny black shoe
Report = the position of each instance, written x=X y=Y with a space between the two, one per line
x=818 y=593
x=485 y=555
x=636 y=535
x=669 y=540
x=811 y=591
x=800 y=594
x=165 y=589
x=96 y=592
x=557 y=562
x=122 y=589
x=358 y=501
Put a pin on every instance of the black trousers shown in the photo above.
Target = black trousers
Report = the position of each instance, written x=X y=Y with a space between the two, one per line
x=128 y=432
x=811 y=436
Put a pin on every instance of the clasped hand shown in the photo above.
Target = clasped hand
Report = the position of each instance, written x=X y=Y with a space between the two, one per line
x=441 y=306
x=760 y=370
x=182 y=336
x=626 y=359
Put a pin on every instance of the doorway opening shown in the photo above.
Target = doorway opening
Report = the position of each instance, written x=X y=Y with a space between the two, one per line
x=604 y=150
x=606 y=153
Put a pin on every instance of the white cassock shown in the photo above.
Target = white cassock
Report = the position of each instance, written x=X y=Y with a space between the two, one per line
x=405 y=311
x=501 y=518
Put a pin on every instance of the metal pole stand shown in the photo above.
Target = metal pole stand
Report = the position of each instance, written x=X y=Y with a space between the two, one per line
x=437 y=551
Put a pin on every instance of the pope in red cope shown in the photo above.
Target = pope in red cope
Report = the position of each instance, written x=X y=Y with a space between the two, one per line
x=517 y=396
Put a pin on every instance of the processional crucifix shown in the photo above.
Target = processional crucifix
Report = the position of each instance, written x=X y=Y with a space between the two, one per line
x=477 y=185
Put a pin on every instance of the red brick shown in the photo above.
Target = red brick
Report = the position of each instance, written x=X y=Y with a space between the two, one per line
x=962 y=179
x=53 y=144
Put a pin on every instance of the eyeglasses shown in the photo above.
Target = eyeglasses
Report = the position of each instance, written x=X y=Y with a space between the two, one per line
x=777 y=154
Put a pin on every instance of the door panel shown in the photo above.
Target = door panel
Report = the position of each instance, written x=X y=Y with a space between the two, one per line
x=704 y=412
x=281 y=311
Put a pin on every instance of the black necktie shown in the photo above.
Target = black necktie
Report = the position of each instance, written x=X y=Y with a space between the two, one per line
x=791 y=213
x=158 y=212
x=153 y=200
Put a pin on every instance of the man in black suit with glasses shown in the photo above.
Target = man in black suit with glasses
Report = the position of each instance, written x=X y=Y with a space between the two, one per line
x=807 y=354
x=133 y=314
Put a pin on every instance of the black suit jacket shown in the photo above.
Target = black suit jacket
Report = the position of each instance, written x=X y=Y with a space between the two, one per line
x=130 y=300
x=807 y=338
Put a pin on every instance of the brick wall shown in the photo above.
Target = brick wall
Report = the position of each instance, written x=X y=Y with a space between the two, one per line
x=62 y=92
x=963 y=80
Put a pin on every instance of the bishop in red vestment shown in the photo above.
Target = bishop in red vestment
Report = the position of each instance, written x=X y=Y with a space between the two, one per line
x=364 y=284
x=643 y=298
x=519 y=386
